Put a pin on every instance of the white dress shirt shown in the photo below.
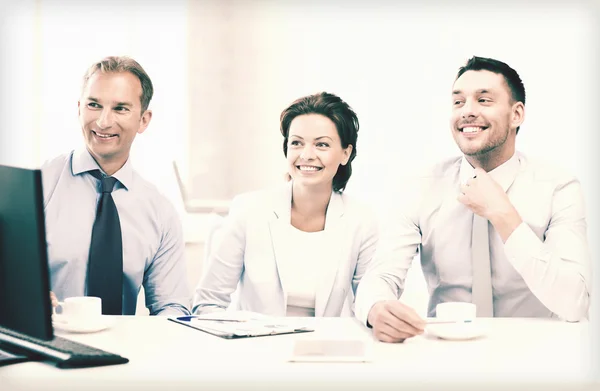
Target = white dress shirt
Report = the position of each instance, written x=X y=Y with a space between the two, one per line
x=153 y=247
x=543 y=269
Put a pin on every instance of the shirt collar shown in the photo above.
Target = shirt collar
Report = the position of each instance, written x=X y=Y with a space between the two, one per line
x=504 y=174
x=83 y=162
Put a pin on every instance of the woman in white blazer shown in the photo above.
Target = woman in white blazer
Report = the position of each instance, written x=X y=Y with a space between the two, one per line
x=301 y=248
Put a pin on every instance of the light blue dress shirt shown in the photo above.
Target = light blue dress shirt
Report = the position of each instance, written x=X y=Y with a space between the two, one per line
x=153 y=246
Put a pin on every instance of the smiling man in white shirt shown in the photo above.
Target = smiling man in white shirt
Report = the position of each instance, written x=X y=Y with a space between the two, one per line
x=535 y=260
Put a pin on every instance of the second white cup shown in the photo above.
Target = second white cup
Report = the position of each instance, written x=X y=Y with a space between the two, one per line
x=456 y=311
x=81 y=308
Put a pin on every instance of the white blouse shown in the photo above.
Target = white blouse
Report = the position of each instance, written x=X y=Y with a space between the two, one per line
x=306 y=253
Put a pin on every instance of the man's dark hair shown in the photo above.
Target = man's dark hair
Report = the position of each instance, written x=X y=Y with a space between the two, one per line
x=512 y=78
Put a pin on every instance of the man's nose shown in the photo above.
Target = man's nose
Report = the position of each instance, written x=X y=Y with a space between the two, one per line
x=105 y=120
x=469 y=110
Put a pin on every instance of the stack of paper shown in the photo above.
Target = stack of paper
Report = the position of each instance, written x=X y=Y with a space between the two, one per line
x=240 y=324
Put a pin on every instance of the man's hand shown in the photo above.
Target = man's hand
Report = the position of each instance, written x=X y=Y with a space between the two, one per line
x=53 y=300
x=484 y=196
x=393 y=321
x=487 y=199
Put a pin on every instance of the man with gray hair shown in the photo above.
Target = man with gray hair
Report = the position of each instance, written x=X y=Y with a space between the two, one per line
x=109 y=231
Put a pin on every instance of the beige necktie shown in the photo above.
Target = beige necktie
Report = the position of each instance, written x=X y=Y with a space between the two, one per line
x=482 y=274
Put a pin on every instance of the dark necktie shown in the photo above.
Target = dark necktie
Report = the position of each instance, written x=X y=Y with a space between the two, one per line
x=105 y=265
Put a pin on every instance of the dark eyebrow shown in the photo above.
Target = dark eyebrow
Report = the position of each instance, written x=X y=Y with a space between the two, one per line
x=318 y=138
x=479 y=91
x=118 y=103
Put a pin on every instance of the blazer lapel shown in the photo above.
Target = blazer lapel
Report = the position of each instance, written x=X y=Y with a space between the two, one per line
x=337 y=246
x=278 y=223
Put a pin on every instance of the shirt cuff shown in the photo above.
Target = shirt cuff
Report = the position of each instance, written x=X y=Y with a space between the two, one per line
x=207 y=309
x=523 y=245
x=173 y=311
x=364 y=308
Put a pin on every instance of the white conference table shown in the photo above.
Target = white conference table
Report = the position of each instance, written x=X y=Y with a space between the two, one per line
x=527 y=353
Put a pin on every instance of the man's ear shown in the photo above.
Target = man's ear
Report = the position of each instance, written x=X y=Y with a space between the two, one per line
x=518 y=114
x=145 y=121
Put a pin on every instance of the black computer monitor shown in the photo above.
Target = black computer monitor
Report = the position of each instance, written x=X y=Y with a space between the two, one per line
x=25 y=305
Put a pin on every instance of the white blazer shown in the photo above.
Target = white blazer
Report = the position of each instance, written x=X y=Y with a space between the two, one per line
x=253 y=242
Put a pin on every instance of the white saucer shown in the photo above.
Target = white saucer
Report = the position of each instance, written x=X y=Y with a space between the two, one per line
x=456 y=331
x=64 y=324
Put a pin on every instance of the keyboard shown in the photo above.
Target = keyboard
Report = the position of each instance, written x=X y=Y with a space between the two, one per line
x=7 y=358
x=65 y=352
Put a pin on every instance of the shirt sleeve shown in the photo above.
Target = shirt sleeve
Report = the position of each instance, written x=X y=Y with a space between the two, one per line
x=369 y=239
x=224 y=265
x=557 y=267
x=165 y=280
x=398 y=244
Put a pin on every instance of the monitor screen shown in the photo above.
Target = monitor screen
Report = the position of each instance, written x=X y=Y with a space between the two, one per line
x=24 y=278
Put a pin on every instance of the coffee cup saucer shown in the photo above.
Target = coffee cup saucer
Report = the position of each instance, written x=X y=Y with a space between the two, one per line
x=67 y=324
x=458 y=331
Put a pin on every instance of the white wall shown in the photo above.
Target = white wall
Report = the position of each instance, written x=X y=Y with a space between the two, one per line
x=17 y=84
x=395 y=65
x=47 y=47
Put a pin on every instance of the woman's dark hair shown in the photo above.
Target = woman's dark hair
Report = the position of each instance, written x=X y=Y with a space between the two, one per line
x=340 y=113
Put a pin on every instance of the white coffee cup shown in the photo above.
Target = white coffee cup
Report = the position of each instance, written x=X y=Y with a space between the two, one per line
x=81 y=308
x=456 y=311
